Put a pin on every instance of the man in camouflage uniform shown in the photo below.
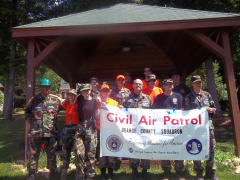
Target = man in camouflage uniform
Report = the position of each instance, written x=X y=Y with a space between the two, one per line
x=199 y=98
x=41 y=114
x=139 y=100
x=120 y=93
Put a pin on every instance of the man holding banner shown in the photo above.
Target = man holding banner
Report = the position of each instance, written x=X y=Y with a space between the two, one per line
x=169 y=100
x=198 y=99
x=139 y=100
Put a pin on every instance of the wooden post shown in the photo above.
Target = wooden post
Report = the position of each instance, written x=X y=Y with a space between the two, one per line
x=30 y=90
x=232 y=92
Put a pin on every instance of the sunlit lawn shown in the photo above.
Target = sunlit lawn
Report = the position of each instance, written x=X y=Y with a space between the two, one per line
x=12 y=150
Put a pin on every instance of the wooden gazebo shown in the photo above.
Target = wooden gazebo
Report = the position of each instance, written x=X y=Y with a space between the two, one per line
x=127 y=37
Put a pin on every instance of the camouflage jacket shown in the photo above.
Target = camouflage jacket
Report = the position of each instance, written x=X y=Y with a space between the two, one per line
x=42 y=115
x=139 y=101
x=120 y=96
x=204 y=99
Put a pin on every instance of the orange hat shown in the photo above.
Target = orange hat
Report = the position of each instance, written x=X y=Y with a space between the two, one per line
x=105 y=86
x=120 y=77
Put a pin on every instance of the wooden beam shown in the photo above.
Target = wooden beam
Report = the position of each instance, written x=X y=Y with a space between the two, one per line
x=30 y=90
x=30 y=70
x=232 y=92
x=104 y=29
x=206 y=42
x=41 y=56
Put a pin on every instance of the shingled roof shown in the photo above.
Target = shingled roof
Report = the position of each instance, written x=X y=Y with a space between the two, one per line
x=128 y=13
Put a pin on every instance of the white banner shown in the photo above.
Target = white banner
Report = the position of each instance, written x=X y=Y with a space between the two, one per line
x=157 y=134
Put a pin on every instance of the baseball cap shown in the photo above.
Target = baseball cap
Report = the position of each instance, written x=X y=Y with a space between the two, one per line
x=151 y=77
x=120 y=77
x=93 y=79
x=85 y=87
x=195 y=78
x=167 y=81
x=105 y=86
x=72 y=91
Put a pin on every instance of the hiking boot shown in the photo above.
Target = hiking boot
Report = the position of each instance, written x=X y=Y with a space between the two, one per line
x=180 y=175
x=199 y=175
x=145 y=174
x=30 y=177
x=135 y=174
x=52 y=174
x=110 y=173
x=210 y=174
x=64 y=174
x=103 y=173
x=166 y=175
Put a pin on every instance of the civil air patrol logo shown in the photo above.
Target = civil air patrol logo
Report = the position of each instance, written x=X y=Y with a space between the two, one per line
x=114 y=143
x=194 y=146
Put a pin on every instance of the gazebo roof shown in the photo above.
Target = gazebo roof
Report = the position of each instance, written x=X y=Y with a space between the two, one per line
x=128 y=13
x=80 y=45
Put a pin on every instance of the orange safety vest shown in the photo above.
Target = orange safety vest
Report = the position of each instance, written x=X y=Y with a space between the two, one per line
x=111 y=102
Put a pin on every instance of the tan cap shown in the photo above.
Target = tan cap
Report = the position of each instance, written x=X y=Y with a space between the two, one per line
x=85 y=87
x=72 y=91
x=167 y=81
x=151 y=77
x=195 y=78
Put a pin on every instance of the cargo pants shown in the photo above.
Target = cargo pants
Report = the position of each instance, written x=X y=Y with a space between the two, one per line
x=85 y=148
x=35 y=146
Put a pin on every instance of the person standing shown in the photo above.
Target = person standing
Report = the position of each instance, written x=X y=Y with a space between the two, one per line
x=139 y=100
x=179 y=87
x=94 y=84
x=120 y=93
x=147 y=71
x=71 y=124
x=107 y=162
x=197 y=99
x=86 y=135
x=169 y=100
x=128 y=81
x=41 y=114
x=152 y=90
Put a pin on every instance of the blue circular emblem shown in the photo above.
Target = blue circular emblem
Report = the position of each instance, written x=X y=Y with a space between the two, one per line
x=114 y=143
x=194 y=146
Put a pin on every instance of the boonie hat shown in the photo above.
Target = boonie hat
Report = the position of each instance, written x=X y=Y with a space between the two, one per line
x=151 y=77
x=167 y=81
x=105 y=86
x=72 y=91
x=85 y=87
x=120 y=77
x=195 y=78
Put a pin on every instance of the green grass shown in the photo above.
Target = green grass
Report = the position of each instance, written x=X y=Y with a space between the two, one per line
x=12 y=150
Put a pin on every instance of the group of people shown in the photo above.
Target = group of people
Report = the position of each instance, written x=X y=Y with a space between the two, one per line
x=82 y=123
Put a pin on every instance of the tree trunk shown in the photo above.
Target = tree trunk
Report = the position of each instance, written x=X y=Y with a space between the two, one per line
x=212 y=86
x=9 y=87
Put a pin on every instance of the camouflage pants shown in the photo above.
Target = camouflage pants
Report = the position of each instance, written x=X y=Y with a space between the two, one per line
x=178 y=165
x=211 y=164
x=85 y=148
x=68 y=144
x=35 y=146
x=134 y=163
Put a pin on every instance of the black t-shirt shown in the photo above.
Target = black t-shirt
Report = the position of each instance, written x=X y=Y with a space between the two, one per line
x=162 y=101
x=87 y=111
x=183 y=89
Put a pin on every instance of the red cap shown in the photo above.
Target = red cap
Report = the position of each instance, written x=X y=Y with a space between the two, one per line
x=105 y=86
x=120 y=77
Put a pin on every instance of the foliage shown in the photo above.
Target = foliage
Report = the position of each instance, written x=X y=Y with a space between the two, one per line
x=1 y=97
